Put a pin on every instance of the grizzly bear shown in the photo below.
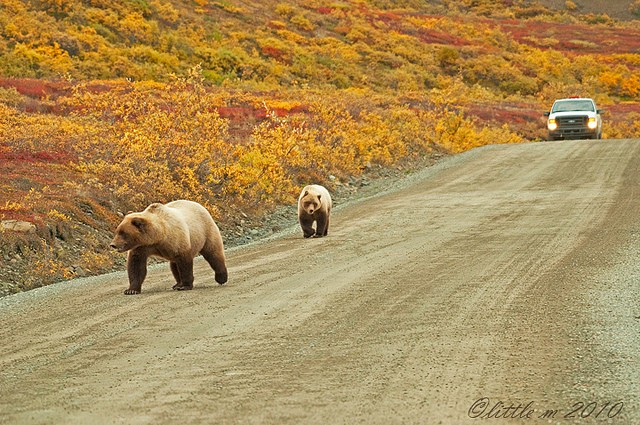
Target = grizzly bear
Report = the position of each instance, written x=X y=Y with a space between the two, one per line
x=314 y=205
x=178 y=232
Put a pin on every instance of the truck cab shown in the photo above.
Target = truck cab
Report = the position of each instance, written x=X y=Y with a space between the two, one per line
x=574 y=118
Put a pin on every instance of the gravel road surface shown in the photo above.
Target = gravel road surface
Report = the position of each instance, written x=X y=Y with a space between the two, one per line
x=498 y=286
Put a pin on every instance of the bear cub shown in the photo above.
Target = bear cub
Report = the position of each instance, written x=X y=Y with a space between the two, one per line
x=314 y=205
x=178 y=232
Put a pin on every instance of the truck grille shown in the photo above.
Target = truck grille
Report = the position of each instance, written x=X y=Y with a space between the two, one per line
x=572 y=123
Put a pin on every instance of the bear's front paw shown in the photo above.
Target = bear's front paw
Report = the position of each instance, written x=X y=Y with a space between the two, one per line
x=131 y=291
x=221 y=277
x=180 y=287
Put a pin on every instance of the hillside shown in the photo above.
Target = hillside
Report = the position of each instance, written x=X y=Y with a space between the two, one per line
x=618 y=9
x=282 y=44
x=107 y=106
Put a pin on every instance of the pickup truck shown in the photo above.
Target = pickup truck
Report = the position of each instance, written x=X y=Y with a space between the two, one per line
x=574 y=118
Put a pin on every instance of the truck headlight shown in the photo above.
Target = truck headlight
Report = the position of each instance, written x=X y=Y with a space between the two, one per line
x=593 y=123
x=551 y=124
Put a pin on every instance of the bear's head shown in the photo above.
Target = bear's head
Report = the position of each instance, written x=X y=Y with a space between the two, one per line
x=136 y=229
x=310 y=201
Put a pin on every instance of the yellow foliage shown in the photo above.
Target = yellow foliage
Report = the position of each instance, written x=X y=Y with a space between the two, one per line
x=621 y=81
x=302 y=22
x=57 y=216
x=458 y=134
x=166 y=11
x=46 y=268
x=95 y=261
x=285 y=10
x=262 y=170
x=225 y=6
x=570 y=5
x=53 y=58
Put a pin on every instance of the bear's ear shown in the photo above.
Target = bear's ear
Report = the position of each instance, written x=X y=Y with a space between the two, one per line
x=139 y=222
x=306 y=192
x=319 y=197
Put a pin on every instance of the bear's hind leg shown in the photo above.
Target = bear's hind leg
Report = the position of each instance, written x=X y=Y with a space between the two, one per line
x=184 y=269
x=217 y=262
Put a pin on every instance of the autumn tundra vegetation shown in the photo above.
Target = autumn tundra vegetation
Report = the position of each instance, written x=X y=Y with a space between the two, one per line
x=107 y=106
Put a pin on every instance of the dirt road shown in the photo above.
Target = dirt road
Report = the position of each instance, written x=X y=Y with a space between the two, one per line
x=499 y=286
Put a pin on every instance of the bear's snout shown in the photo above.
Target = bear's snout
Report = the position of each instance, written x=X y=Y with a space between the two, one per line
x=119 y=248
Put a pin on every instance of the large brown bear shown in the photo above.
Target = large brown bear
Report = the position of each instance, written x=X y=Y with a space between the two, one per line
x=314 y=205
x=178 y=232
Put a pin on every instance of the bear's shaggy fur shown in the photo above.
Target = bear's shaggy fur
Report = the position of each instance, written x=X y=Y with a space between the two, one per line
x=314 y=205
x=178 y=232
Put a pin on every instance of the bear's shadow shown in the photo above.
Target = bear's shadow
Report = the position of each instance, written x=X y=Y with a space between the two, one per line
x=160 y=288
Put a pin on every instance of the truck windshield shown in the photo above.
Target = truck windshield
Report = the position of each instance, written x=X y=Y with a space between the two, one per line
x=572 y=105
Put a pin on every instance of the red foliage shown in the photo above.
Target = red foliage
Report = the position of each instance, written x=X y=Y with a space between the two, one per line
x=616 y=40
x=387 y=16
x=512 y=113
x=38 y=168
x=239 y=113
x=300 y=109
x=23 y=171
x=32 y=157
x=273 y=52
x=428 y=36
x=21 y=216
x=438 y=37
x=243 y=119
x=623 y=108
x=325 y=10
x=36 y=88
x=97 y=87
